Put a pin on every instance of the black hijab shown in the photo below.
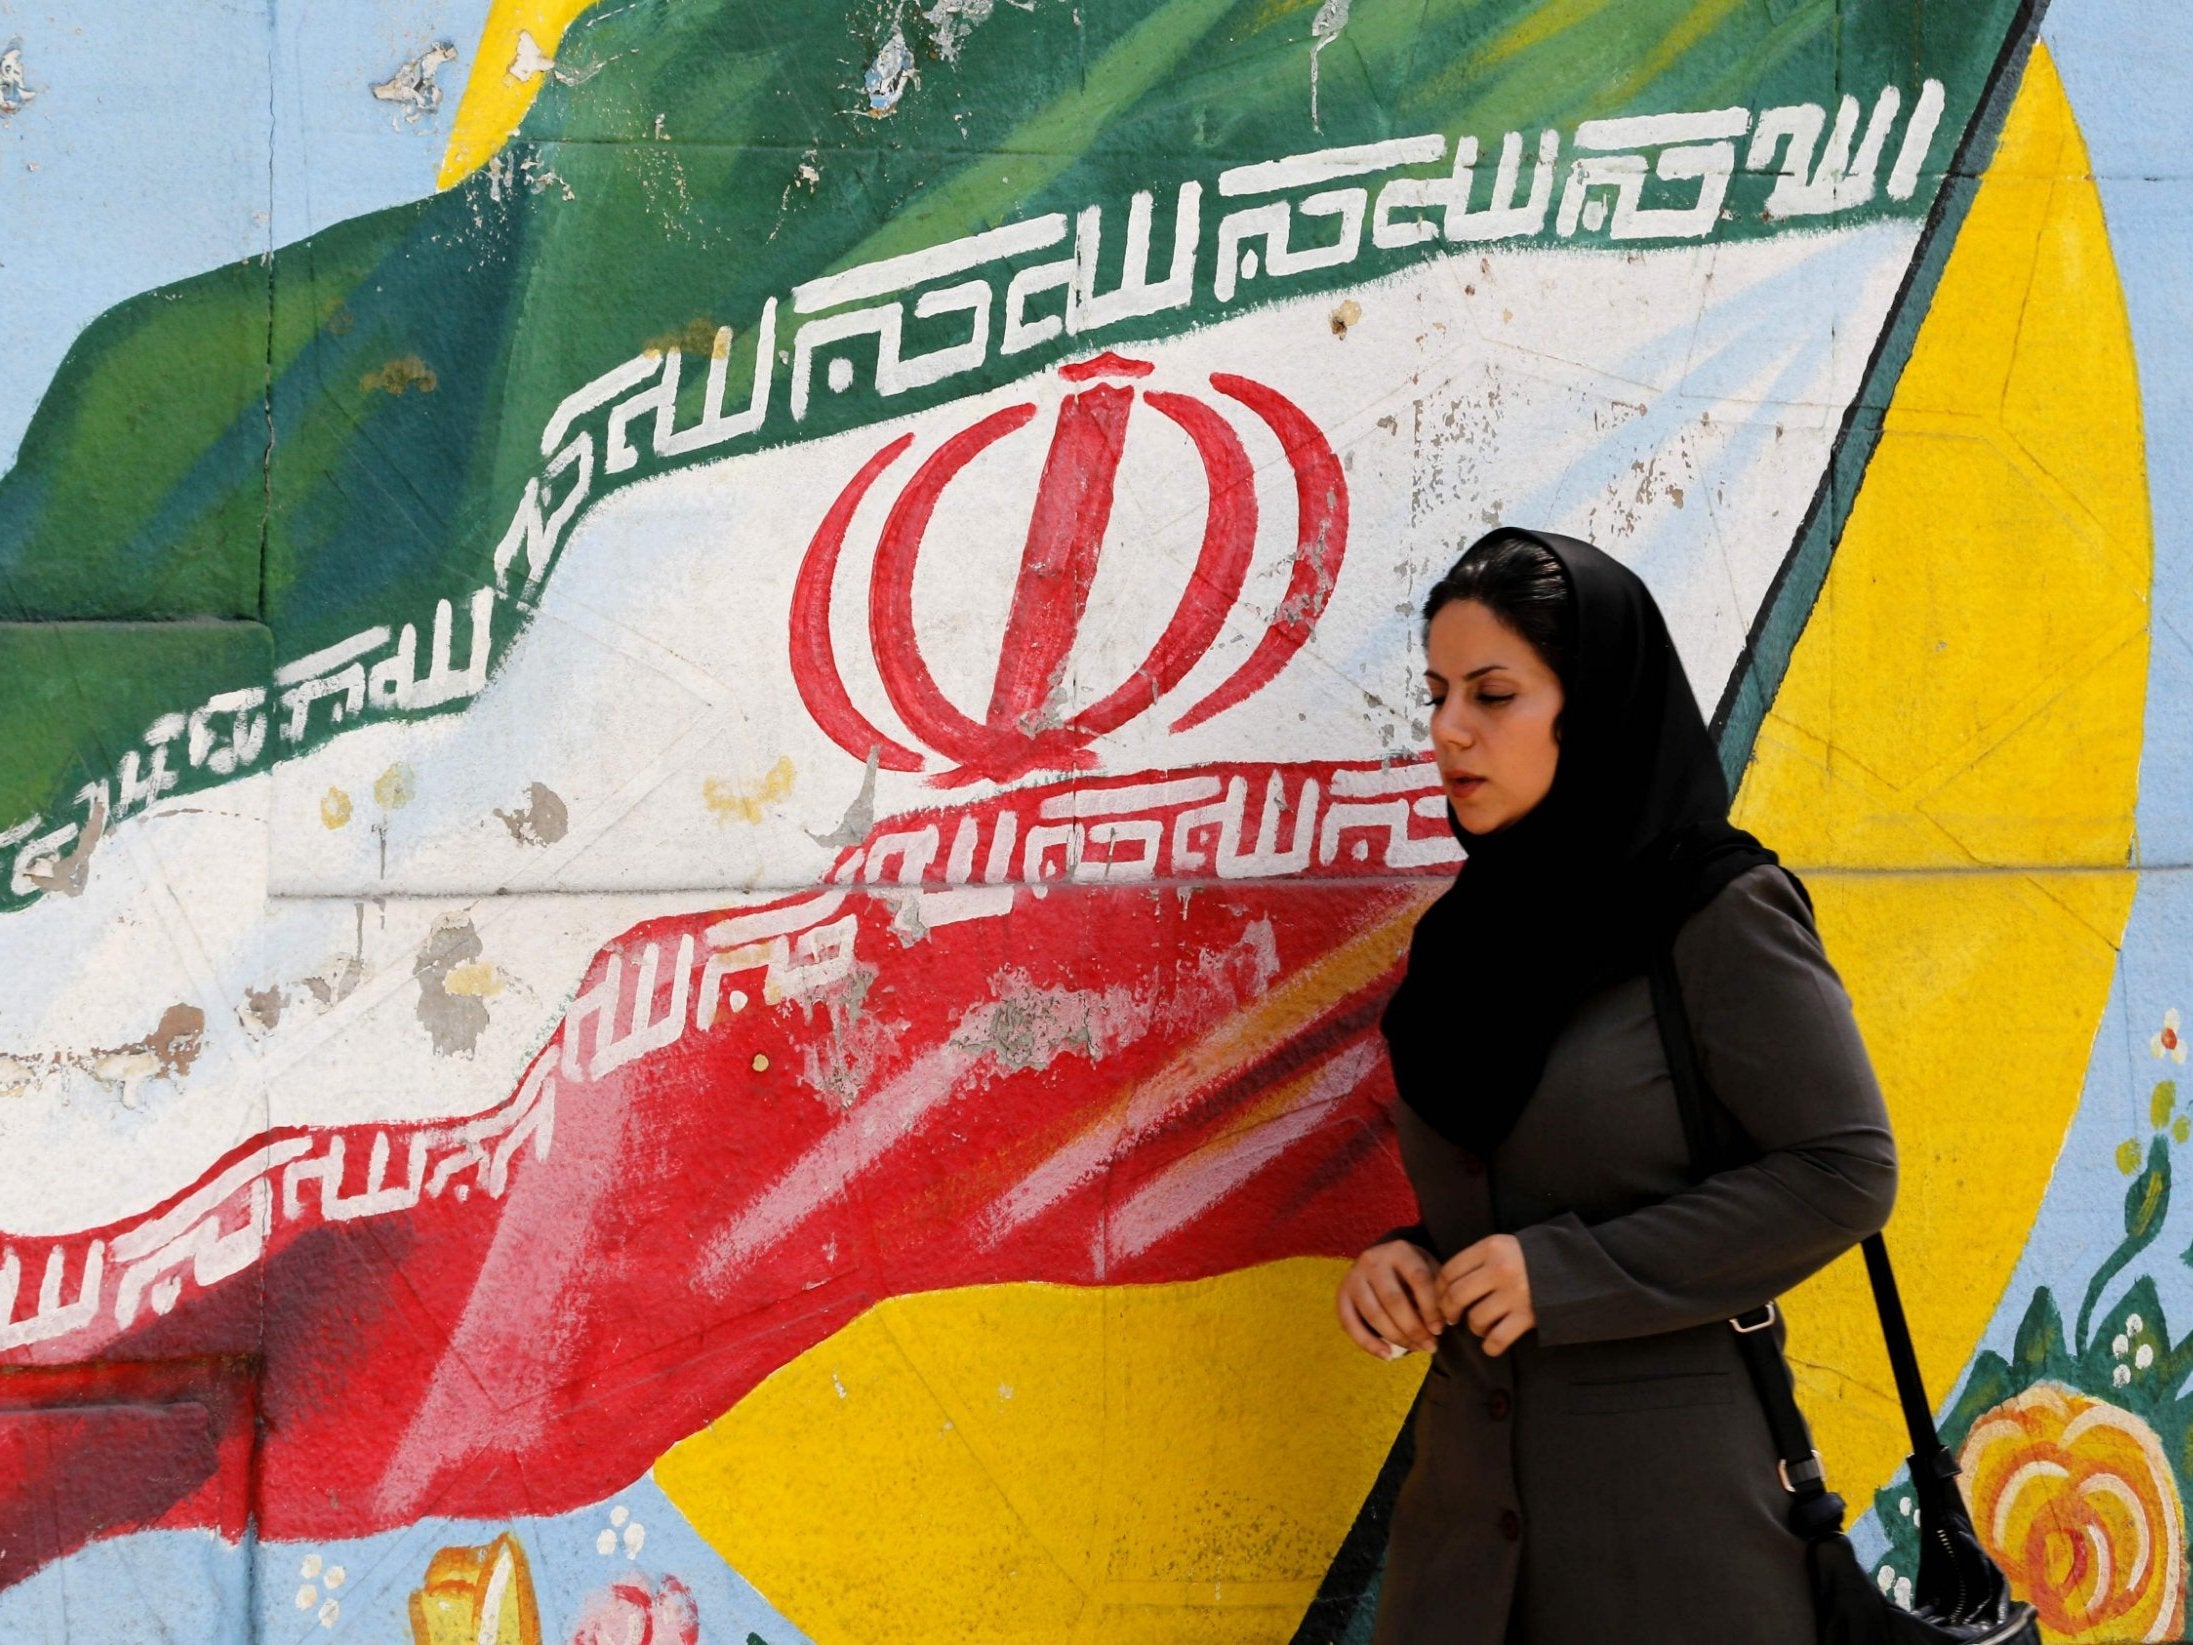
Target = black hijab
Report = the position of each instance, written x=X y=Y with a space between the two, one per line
x=1632 y=838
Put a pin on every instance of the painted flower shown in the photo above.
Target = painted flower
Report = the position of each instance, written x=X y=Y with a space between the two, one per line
x=2169 y=1042
x=2076 y=1500
x=636 y=1612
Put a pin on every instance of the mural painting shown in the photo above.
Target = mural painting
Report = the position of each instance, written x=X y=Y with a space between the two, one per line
x=713 y=773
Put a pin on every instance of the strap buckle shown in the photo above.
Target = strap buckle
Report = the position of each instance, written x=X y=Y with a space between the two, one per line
x=1757 y=1320
x=1809 y=1473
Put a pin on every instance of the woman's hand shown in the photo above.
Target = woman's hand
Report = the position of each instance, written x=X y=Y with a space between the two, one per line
x=1390 y=1300
x=1485 y=1286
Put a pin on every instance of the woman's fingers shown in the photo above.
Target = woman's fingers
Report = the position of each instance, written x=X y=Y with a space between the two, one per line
x=1490 y=1312
x=1400 y=1305
x=1364 y=1337
x=1422 y=1280
x=1507 y=1332
x=1457 y=1296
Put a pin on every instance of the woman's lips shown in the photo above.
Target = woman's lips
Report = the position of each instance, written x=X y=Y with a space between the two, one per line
x=1462 y=785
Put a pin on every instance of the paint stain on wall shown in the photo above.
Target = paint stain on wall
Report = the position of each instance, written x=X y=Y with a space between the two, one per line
x=404 y=371
x=745 y=802
x=334 y=808
x=451 y=1005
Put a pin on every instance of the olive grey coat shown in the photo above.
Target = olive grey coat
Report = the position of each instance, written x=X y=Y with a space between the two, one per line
x=1611 y=1476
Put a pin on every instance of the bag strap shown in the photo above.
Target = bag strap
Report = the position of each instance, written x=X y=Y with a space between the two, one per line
x=1817 y=1511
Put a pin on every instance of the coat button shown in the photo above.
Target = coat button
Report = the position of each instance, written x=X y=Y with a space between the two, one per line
x=1472 y=1166
x=1499 y=1403
x=1511 y=1525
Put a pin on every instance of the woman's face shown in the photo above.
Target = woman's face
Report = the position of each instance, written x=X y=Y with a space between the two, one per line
x=1496 y=707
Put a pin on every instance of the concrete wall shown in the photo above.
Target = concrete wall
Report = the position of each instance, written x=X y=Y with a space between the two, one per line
x=711 y=768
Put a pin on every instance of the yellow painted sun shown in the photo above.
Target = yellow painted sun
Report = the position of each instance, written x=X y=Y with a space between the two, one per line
x=509 y=67
x=1951 y=760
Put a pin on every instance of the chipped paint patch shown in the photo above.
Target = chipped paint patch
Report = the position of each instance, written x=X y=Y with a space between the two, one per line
x=1325 y=28
x=1345 y=316
x=165 y=1053
x=450 y=1006
x=745 y=802
x=14 y=91
x=889 y=76
x=951 y=21
x=860 y=816
x=542 y=820
x=68 y=873
x=528 y=61
x=412 y=87
x=262 y=1009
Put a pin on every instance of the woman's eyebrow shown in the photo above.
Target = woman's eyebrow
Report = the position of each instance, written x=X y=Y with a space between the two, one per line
x=1473 y=674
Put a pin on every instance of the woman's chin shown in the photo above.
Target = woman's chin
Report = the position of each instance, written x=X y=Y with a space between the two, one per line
x=1477 y=816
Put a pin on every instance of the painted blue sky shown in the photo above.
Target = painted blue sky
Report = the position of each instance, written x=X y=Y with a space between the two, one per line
x=159 y=140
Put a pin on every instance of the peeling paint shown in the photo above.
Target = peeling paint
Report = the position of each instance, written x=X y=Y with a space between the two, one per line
x=889 y=75
x=262 y=1009
x=1346 y=316
x=529 y=62
x=506 y=173
x=14 y=92
x=1325 y=28
x=542 y=820
x=68 y=874
x=450 y=1007
x=951 y=21
x=412 y=87
x=860 y=816
x=338 y=982
x=166 y=1053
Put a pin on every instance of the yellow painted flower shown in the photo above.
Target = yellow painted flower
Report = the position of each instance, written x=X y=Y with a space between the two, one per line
x=477 y=1596
x=2077 y=1501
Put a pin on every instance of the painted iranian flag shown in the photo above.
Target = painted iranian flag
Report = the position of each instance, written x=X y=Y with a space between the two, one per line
x=860 y=736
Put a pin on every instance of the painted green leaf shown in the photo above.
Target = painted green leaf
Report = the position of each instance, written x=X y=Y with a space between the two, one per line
x=2146 y=1203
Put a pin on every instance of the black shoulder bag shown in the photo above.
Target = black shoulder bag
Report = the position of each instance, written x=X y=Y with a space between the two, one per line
x=1961 y=1594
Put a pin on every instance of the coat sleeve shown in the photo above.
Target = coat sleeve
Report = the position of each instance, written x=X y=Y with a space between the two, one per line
x=1777 y=1042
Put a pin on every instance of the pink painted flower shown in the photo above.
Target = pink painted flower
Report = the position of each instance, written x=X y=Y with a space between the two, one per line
x=634 y=1613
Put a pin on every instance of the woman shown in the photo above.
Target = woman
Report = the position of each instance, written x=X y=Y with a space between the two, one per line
x=1591 y=1462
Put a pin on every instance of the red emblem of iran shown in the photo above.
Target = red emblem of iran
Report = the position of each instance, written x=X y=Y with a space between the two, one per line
x=1031 y=724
